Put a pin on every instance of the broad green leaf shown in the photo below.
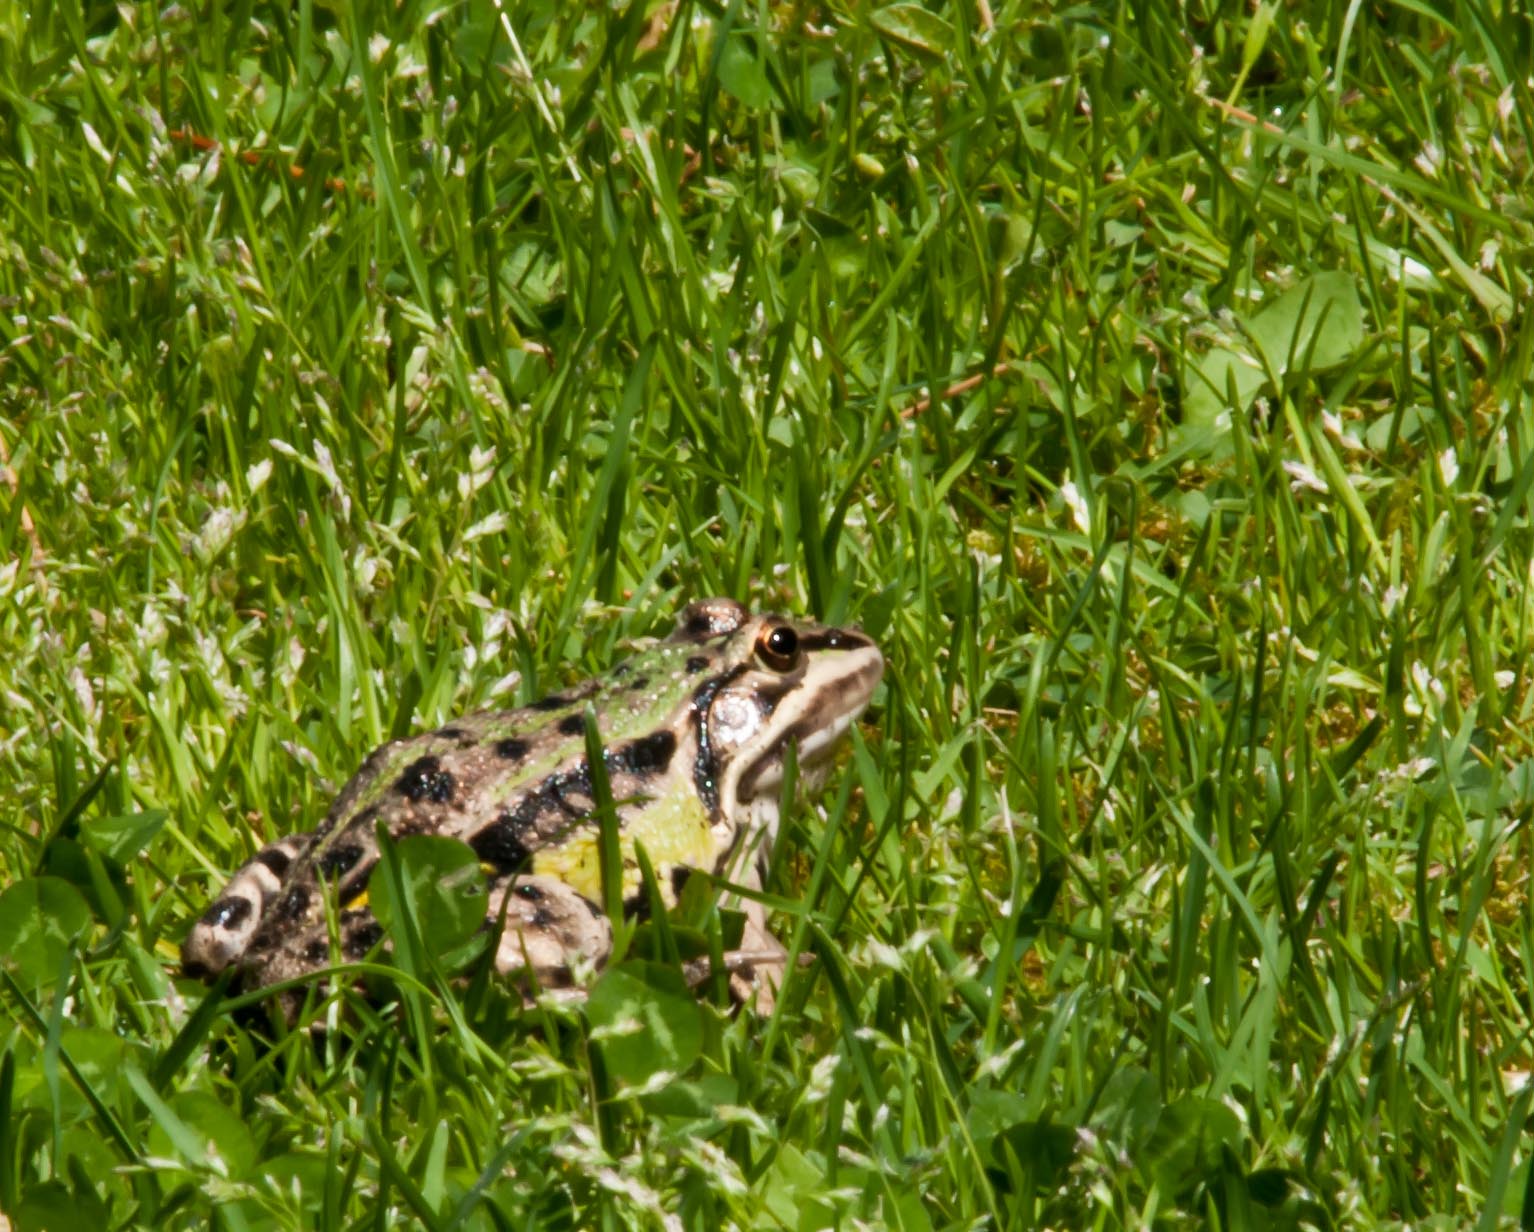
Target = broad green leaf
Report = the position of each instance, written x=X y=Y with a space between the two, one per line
x=1000 y=1123
x=906 y=1208
x=53 y=1207
x=915 y=29
x=742 y=72
x=794 y=1189
x=648 y=1021
x=123 y=837
x=1129 y=1108
x=99 y=1056
x=224 y=1142
x=40 y=918
x=993 y=1112
x=1189 y=1139
x=448 y=896
x=1044 y=1145
x=1314 y=326
x=1319 y=323
x=296 y=1172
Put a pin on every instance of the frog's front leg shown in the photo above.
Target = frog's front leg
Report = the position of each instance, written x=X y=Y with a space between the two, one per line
x=759 y=962
x=225 y=930
x=757 y=965
x=549 y=929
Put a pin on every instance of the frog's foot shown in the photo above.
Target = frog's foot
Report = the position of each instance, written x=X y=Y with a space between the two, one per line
x=760 y=975
x=755 y=968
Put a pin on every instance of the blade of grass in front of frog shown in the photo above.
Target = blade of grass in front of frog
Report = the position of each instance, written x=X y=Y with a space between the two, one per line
x=660 y=916
x=196 y=1028
x=409 y=950
x=609 y=850
x=610 y=862
x=777 y=853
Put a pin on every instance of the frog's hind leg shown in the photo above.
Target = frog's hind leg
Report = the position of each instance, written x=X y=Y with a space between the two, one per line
x=549 y=929
x=225 y=930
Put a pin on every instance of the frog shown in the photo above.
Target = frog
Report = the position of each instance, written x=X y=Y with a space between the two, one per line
x=695 y=732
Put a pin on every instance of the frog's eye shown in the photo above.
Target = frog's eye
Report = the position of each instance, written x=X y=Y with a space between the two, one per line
x=778 y=648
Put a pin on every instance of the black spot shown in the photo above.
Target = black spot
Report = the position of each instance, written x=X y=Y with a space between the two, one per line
x=290 y=906
x=195 y=970
x=623 y=669
x=639 y=684
x=503 y=843
x=546 y=813
x=554 y=701
x=572 y=725
x=450 y=733
x=596 y=912
x=705 y=766
x=542 y=918
x=227 y=913
x=647 y=755
x=340 y=859
x=355 y=883
x=696 y=664
x=511 y=749
x=524 y=817
x=275 y=859
x=424 y=779
x=834 y=639
x=362 y=938
x=317 y=950
x=570 y=792
x=679 y=875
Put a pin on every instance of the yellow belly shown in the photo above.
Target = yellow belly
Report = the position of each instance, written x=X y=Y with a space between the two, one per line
x=673 y=829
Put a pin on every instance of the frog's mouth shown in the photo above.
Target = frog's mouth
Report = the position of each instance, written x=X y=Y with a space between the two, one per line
x=816 y=728
x=814 y=751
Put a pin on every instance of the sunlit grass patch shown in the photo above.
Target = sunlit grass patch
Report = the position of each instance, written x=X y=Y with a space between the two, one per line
x=1152 y=384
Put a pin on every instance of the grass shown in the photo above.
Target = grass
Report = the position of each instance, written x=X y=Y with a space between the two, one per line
x=1151 y=380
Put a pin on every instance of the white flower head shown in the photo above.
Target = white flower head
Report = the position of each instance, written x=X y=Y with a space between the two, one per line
x=1077 y=504
x=494 y=524
x=1303 y=477
x=481 y=467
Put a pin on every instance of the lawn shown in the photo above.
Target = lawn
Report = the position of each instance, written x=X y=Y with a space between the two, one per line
x=1152 y=381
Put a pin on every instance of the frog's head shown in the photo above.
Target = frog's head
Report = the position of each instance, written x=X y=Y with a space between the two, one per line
x=772 y=683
